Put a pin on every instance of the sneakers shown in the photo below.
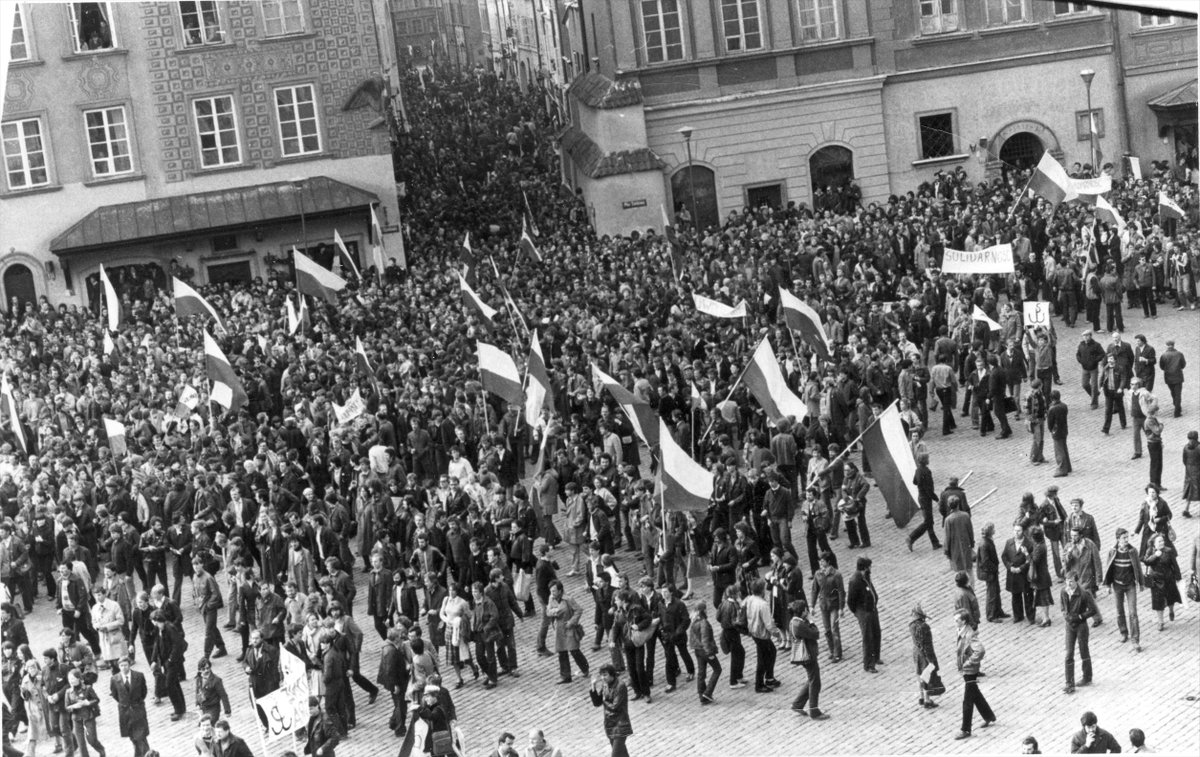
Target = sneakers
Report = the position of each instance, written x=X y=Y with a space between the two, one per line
x=818 y=715
x=962 y=735
x=669 y=689
x=1068 y=689
x=738 y=685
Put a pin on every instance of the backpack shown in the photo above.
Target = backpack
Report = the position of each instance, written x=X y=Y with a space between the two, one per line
x=821 y=517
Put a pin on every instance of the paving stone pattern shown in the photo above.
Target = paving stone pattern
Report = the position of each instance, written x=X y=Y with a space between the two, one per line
x=1156 y=690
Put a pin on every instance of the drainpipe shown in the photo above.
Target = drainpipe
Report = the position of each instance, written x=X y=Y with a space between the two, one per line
x=1122 y=100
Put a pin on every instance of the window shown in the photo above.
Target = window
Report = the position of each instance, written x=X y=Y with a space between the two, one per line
x=401 y=28
x=663 y=30
x=108 y=138
x=818 y=20
x=91 y=27
x=1006 y=12
x=24 y=154
x=937 y=135
x=938 y=16
x=283 y=17
x=1066 y=9
x=201 y=23
x=217 y=127
x=1150 y=20
x=20 y=48
x=417 y=26
x=296 y=108
x=1083 y=132
x=742 y=29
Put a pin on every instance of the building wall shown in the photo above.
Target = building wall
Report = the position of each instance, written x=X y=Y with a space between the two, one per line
x=771 y=137
x=152 y=74
x=1155 y=60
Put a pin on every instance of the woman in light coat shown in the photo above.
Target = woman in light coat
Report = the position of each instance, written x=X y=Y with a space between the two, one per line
x=109 y=622
x=455 y=614
x=568 y=631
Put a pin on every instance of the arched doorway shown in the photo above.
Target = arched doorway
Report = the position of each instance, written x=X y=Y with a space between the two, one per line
x=704 y=183
x=1023 y=149
x=831 y=166
x=18 y=285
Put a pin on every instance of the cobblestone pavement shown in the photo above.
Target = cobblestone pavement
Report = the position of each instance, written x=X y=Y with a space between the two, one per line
x=1155 y=691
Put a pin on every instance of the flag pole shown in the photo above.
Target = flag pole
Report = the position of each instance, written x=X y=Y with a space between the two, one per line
x=979 y=501
x=850 y=446
x=732 y=389
x=1021 y=196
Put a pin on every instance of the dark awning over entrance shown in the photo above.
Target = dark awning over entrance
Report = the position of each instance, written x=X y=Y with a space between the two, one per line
x=225 y=210
x=1181 y=98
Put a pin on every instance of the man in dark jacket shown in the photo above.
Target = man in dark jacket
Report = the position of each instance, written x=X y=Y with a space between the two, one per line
x=673 y=629
x=1089 y=354
x=1172 y=363
x=128 y=687
x=863 y=601
x=168 y=659
x=322 y=737
x=997 y=393
x=925 y=495
x=393 y=676
x=1093 y=739
x=1056 y=424
x=1077 y=606
x=544 y=572
x=1144 y=361
x=1114 y=380
x=988 y=561
x=379 y=595
x=1016 y=563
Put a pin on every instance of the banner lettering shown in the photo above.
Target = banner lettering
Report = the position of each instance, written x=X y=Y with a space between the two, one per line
x=996 y=259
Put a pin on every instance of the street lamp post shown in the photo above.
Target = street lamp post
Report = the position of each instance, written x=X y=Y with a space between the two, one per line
x=686 y=131
x=1087 y=75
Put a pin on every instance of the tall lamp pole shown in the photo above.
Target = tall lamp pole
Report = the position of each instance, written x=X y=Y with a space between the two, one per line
x=686 y=131
x=1087 y=75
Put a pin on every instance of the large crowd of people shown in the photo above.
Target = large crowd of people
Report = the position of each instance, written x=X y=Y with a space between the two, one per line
x=457 y=516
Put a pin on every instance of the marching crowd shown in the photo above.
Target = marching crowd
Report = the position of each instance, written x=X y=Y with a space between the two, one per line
x=464 y=520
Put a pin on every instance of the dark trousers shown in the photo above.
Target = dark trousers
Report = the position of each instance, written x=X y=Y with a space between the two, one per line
x=704 y=664
x=1176 y=397
x=1022 y=603
x=1114 y=402
x=973 y=700
x=485 y=655
x=1001 y=416
x=993 y=609
x=156 y=573
x=635 y=663
x=815 y=538
x=212 y=636
x=564 y=663
x=1078 y=633
x=178 y=567
x=618 y=746
x=926 y=527
x=399 y=712
x=764 y=667
x=948 y=422
x=18 y=583
x=506 y=650
x=1156 y=461
x=1113 y=319
x=737 y=656
x=649 y=647
x=336 y=706
x=82 y=626
x=85 y=733
x=1092 y=311
x=1062 y=457
x=810 y=692
x=868 y=625
x=172 y=676
x=856 y=531
x=1149 y=306
x=675 y=650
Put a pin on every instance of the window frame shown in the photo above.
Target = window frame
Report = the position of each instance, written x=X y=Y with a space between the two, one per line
x=1082 y=132
x=738 y=6
x=664 y=46
x=816 y=10
x=241 y=158
x=954 y=135
x=1159 y=20
x=1072 y=8
x=73 y=28
x=301 y=6
x=87 y=130
x=21 y=28
x=940 y=16
x=221 y=36
x=26 y=170
x=1004 y=20
x=300 y=136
